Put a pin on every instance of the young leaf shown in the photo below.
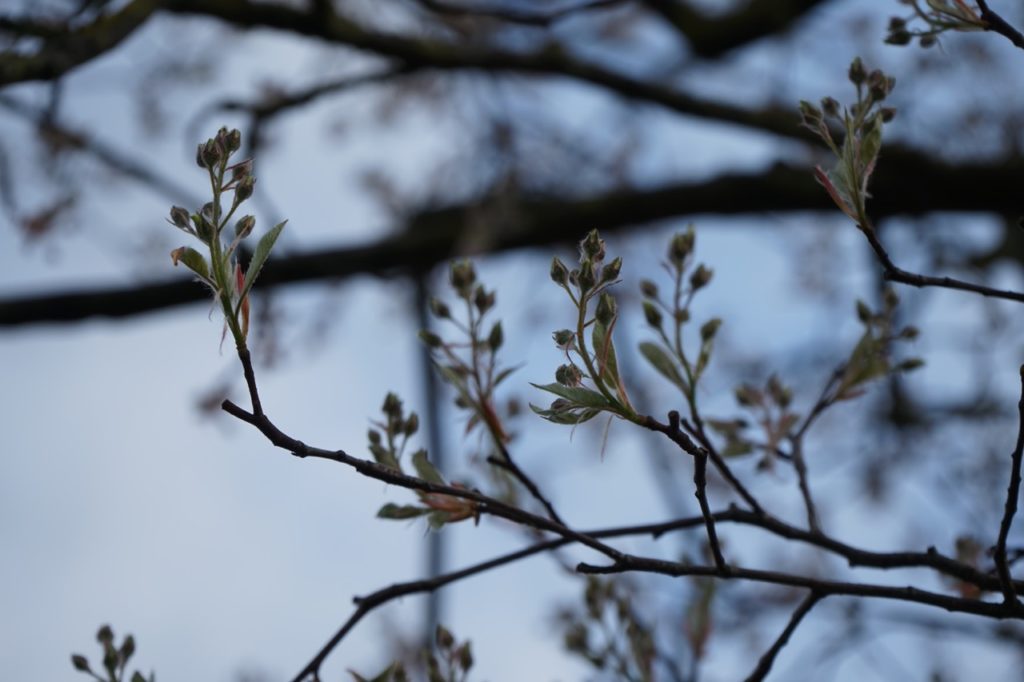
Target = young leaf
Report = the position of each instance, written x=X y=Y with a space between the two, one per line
x=259 y=256
x=424 y=469
x=193 y=260
x=570 y=416
x=582 y=397
x=394 y=511
x=665 y=365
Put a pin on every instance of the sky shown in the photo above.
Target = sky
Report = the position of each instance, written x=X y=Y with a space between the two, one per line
x=121 y=502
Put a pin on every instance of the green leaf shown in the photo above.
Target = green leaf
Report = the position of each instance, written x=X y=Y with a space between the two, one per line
x=504 y=374
x=424 y=469
x=582 y=397
x=565 y=416
x=394 y=511
x=736 y=447
x=665 y=365
x=259 y=257
x=193 y=260
x=607 y=363
x=384 y=456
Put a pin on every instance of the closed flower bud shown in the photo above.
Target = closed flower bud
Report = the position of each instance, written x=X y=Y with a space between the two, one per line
x=648 y=288
x=373 y=435
x=680 y=247
x=857 y=73
x=241 y=170
x=611 y=271
x=910 y=333
x=810 y=115
x=431 y=339
x=564 y=339
x=80 y=663
x=899 y=37
x=233 y=141
x=606 y=309
x=179 y=218
x=709 y=329
x=496 y=337
x=244 y=226
x=210 y=154
x=652 y=314
x=700 y=277
x=244 y=189
x=586 y=278
x=199 y=156
x=592 y=247
x=392 y=405
x=440 y=308
x=925 y=41
x=569 y=375
x=462 y=277
x=830 y=106
x=559 y=273
x=748 y=396
x=483 y=299
x=412 y=424
x=887 y=114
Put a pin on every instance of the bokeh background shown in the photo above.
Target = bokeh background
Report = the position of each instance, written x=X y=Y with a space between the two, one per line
x=128 y=497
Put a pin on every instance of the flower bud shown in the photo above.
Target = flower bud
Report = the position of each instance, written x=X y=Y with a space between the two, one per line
x=910 y=365
x=440 y=309
x=241 y=170
x=210 y=154
x=586 y=278
x=810 y=115
x=564 y=339
x=392 y=405
x=483 y=299
x=233 y=141
x=244 y=226
x=462 y=277
x=887 y=114
x=700 y=277
x=559 y=273
x=496 y=337
x=569 y=375
x=648 y=288
x=830 y=106
x=680 y=247
x=606 y=309
x=431 y=339
x=857 y=73
x=611 y=271
x=373 y=435
x=244 y=188
x=592 y=247
x=652 y=314
x=179 y=218
x=709 y=329
x=412 y=424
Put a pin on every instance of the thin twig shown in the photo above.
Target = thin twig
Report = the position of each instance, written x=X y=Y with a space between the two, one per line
x=825 y=587
x=764 y=665
x=1010 y=509
x=508 y=464
x=895 y=274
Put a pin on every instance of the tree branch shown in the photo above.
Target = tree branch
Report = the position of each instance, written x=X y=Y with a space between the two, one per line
x=750 y=21
x=764 y=665
x=997 y=24
x=1010 y=508
x=62 y=51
